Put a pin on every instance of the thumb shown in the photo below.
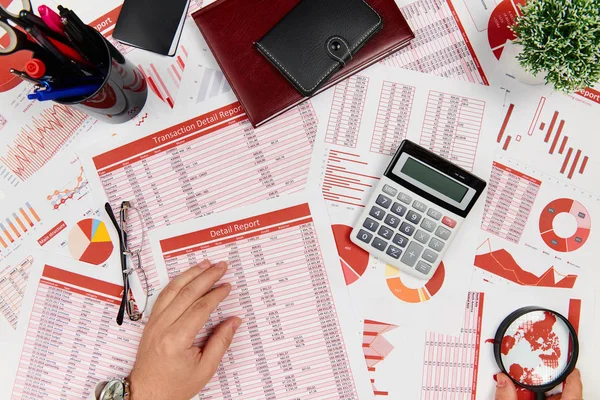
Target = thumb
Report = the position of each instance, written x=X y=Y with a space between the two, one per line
x=573 y=389
x=217 y=345
x=505 y=388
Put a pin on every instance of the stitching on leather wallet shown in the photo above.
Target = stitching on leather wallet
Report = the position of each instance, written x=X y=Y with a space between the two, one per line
x=334 y=67
x=345 y=44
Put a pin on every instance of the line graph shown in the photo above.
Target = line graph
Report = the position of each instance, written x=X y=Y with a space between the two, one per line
x=40 y=140
x=501 y=263
x=60 y=197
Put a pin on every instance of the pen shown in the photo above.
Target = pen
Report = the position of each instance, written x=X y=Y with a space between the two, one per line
x=51 y=19
x=44 y=42
x=25 y=77
x=54 y=94
x=35 y=68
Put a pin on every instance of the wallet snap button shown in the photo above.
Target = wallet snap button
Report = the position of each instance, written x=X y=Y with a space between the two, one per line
x=335 y=45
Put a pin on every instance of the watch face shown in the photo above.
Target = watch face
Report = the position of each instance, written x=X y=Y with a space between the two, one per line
x=114 y=390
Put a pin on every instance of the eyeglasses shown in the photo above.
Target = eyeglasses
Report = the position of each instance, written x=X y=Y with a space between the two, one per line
x=130 y=244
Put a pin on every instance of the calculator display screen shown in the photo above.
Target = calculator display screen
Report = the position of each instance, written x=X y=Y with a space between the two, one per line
x=434 y=180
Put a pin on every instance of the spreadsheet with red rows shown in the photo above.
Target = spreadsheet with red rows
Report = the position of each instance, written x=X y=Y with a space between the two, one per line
x=291 y=344
x=212 y=162
x=72 y=340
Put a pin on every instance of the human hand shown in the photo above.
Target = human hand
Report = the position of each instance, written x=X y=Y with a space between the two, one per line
x=573 y=390
x=168 y=365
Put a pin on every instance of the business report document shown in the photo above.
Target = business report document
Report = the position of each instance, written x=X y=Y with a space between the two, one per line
x=298 y=339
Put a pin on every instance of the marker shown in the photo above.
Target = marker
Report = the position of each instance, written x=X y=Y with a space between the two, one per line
x=51 y=19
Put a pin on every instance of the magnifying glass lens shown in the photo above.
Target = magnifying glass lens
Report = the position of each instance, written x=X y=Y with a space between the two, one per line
x=535 y=348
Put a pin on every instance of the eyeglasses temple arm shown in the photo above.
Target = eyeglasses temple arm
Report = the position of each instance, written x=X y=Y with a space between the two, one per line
x=122 y=238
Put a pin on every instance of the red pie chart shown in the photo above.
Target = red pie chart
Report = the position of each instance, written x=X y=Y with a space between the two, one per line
x=548 y=230
x=501 y=19
x=89 y=241
x=354 y=259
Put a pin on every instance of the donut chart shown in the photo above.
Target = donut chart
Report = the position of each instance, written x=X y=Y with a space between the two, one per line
x=89 y=241
x=581 y=235
x=354 y=260
x=412 y=295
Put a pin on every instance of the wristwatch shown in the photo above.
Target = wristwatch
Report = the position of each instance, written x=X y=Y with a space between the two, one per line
x=115 y=389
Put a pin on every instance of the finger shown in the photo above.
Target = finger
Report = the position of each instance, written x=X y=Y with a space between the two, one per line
x=172 y=289
x=573 y=389
x=217 y=345
x=505 y=388
x=194 y=318
x=194 y=290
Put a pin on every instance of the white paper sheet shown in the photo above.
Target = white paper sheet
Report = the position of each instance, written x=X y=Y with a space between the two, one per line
x=71 y=340
x=364 y=120
x=288 y=289
x=198 y=162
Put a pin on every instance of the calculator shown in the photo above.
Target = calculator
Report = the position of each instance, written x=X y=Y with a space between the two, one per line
x=416 y=210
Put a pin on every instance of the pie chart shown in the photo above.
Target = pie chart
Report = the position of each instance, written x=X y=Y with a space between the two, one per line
x=548 y=225
x=414 y=295
x=89 y=241
x=354 y=259
x=502 y=18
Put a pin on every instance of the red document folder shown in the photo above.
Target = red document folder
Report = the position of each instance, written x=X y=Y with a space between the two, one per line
x=231 y=27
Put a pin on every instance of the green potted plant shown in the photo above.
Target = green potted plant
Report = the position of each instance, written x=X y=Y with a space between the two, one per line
x=558 y=41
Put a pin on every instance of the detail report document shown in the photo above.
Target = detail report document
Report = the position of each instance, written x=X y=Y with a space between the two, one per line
x=298 y=339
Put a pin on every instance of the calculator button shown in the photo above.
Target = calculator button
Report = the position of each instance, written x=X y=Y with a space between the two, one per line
x=394 y=252
x=392 y=221
x=364 y=236
x=422 y=236
x=413 y=217
x=407 y=228
x=385 y=232
x=387 y=189
x=404 y=198
x=429 y=256
x=379 y=244
x=423 y=267
x=400 y=240
x=443 y=233
x=370 y=225
x=434 y=214
x=411 y=255
x=449 y=222
x=435 y=244
x=428 y=225
x=419 y=206
x=398 y=209
x=383 y=201
x=377 y=213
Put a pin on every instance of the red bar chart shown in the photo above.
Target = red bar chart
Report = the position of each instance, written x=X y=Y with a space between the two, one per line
x=345 y=179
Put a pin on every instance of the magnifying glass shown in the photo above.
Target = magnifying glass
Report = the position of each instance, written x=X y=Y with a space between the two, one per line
x=537 y=348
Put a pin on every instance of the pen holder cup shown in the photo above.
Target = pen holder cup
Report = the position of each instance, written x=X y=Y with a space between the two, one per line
x=122 y=95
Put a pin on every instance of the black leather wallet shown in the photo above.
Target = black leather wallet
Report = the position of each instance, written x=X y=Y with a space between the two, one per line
x=317 y=38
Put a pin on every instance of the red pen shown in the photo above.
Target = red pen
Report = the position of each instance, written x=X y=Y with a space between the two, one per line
x=69 y=52
x=52 y=19
x=35 y=68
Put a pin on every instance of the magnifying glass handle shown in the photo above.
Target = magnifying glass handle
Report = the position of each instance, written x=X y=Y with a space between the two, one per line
x=540 y=396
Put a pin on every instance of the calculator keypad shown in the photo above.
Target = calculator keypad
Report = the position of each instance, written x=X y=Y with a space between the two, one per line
x=406 y=230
